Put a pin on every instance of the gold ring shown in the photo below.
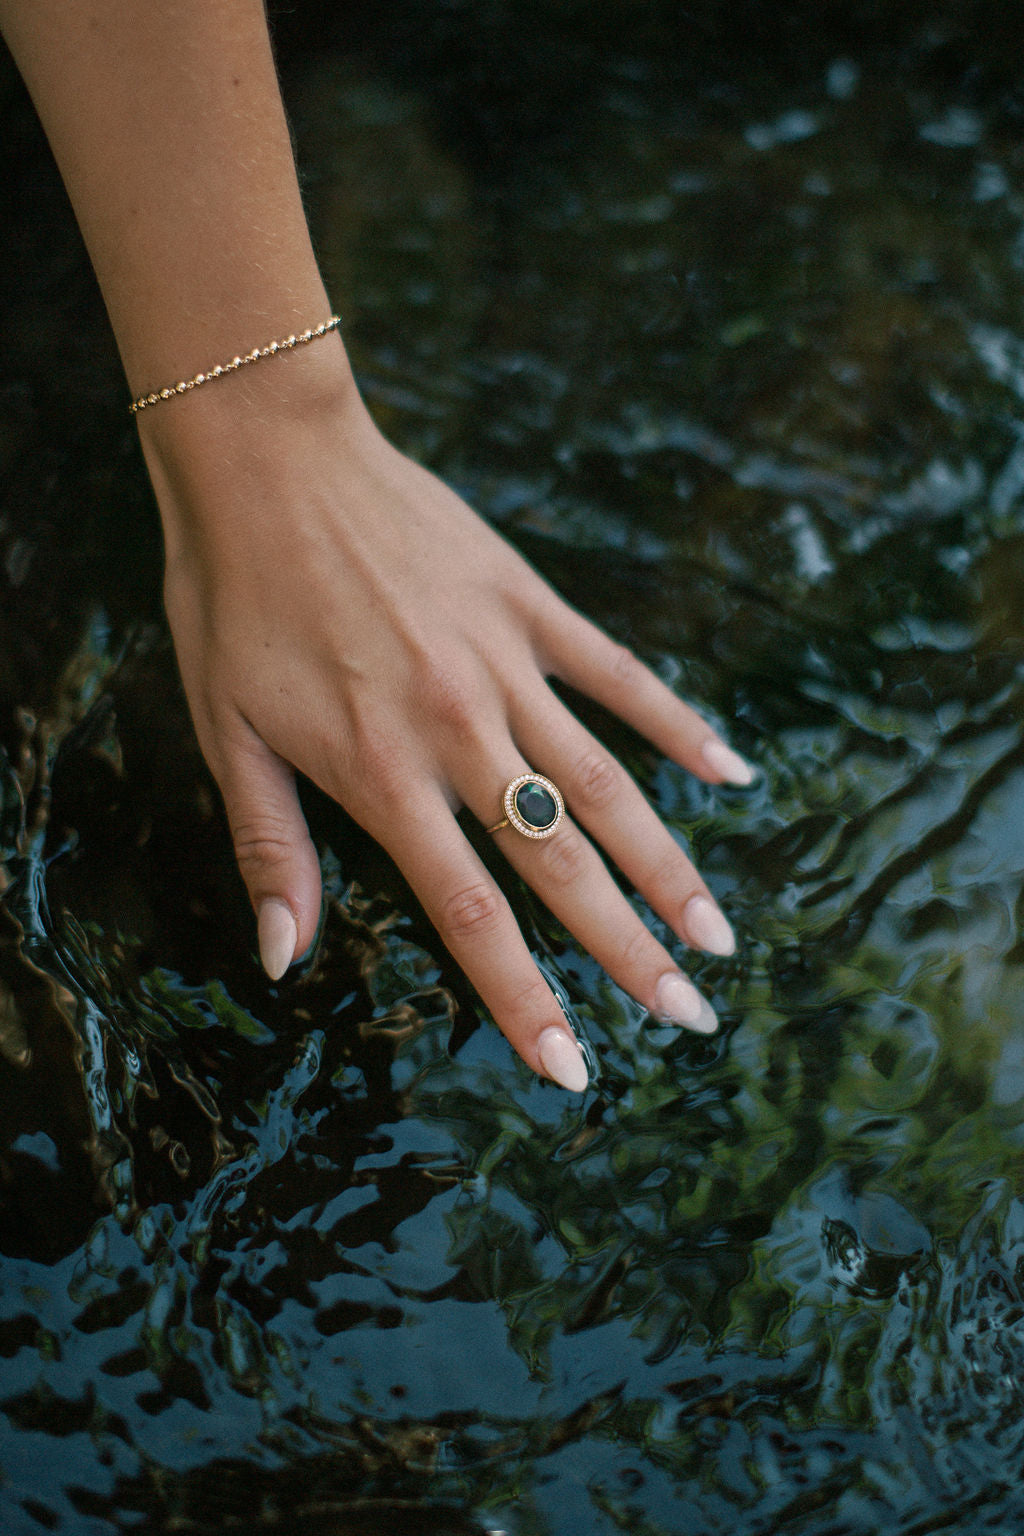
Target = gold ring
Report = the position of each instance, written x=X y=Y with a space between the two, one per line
x=532 y=805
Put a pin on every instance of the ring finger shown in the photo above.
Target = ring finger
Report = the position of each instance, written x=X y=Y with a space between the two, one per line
x=569 y=875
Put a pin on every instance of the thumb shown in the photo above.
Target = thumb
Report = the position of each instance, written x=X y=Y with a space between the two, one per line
x=275 y=856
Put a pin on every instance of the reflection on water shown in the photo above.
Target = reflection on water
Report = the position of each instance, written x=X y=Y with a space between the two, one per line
x=735 y=354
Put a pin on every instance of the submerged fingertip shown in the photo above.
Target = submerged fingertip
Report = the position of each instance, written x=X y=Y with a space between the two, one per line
x=727 y=764
x=278 y=936
x=562 y=1059
x=707 y=926
x=707 y=1021
x=677 y=1001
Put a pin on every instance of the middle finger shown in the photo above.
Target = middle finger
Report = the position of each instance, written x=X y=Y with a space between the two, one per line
x=570 y=877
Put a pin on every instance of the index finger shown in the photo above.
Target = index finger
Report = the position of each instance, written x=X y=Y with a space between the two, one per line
x=585 y=657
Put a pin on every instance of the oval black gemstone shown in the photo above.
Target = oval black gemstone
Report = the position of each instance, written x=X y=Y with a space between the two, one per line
x=536 y=805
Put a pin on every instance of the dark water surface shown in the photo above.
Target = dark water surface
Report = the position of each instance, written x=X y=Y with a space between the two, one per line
x=718 y=314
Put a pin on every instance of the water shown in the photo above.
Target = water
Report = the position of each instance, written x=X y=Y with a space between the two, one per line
x=717 y=314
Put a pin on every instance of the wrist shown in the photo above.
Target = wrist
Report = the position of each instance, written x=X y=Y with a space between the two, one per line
x=247 y=430
x=208 y=375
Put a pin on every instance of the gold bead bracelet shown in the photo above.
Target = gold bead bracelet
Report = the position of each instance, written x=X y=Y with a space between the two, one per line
x=254 y=356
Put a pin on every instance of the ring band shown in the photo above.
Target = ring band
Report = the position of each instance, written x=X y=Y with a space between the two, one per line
x=532 y=805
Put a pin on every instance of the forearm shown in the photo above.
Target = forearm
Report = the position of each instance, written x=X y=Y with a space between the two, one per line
x=167 y=124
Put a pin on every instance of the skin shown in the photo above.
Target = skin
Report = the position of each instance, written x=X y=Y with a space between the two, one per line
x=335 y=608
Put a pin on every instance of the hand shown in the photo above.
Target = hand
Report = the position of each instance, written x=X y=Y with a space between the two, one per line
x=338 y=610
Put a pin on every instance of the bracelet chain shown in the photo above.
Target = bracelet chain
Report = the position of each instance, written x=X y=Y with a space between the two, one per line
x=288 y=343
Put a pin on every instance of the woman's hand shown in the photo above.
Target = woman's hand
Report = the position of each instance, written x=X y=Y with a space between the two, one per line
x=335 y=608
x=338 y=610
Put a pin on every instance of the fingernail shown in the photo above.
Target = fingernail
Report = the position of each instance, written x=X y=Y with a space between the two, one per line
x=278 y=935
x=562 y=1059
x=677 y=1001
x=707 y=926
x=726 y=763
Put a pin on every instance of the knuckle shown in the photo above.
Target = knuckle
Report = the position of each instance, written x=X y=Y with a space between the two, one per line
x=625 y=668
x=637 y=951
x=261 y=845
x=563 y=858
x=449 y=696
x=471 y=912
x=529 y=1007
x=596 y=782
x=672 y=879
x=378 y=768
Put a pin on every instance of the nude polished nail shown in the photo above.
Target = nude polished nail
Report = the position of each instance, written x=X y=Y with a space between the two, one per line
x=562 y=1059
x=278 y=934
x=707 y=927
x=677 y=1001
x=726 y=763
